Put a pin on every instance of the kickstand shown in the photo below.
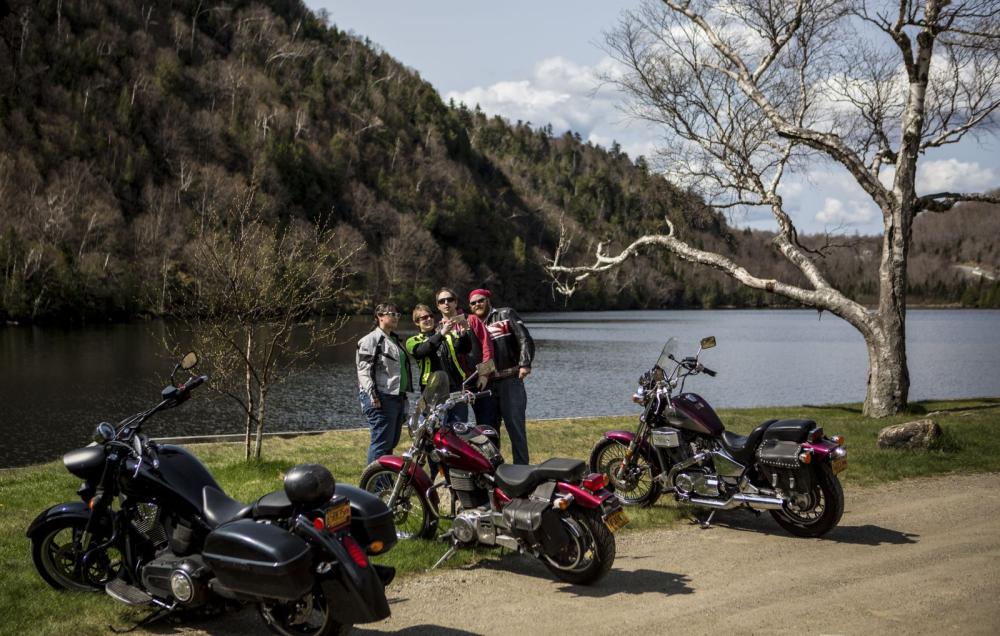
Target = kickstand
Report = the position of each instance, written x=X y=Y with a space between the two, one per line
x=707 y=523
x=447 y=555
x=150 y=619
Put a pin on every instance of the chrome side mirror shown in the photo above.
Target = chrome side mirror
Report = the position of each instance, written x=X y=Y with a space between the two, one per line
x=708 y=343
x=104 y=433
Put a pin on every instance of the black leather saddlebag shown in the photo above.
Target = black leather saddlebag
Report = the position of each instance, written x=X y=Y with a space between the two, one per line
x=537 y=523
x=259 y=560
x=778 y=461
x=371 y=519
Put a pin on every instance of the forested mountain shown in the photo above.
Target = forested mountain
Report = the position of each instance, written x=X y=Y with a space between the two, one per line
x=124 y=125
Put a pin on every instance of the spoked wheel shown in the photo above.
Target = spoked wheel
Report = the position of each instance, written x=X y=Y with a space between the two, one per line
x=311 y=615
x=410 y=511
x=590 y=552
x=632 y=478
x=814 y=513
x=58 y=550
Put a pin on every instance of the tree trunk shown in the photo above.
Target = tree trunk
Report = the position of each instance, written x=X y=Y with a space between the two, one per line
x=260 y=423
x=888 y=375
x=248 y=380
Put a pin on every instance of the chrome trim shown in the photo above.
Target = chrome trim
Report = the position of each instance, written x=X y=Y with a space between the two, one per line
x=753 y=501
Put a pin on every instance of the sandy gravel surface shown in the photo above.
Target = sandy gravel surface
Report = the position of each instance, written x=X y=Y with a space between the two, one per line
x=914 y=557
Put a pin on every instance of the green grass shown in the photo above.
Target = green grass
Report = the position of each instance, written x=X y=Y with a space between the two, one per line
x=971 y=443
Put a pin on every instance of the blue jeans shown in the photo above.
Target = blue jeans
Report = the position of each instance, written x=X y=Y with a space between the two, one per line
x=511 y=402
x=385 y=423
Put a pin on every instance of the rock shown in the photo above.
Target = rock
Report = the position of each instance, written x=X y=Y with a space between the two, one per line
x=915 y=434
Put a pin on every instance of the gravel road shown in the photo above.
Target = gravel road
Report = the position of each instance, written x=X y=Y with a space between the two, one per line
x=914 y=557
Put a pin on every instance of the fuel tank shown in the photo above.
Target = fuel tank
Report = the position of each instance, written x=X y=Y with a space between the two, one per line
x=695 y=414
x=178 y=477
x=459 y=453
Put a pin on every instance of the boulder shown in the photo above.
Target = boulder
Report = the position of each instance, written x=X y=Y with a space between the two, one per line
x=915 y=434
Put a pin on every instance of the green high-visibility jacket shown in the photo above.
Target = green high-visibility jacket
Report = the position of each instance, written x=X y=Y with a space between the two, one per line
x=435 y=351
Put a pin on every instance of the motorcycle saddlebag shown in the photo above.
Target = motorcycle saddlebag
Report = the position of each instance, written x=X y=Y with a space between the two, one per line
x=780 y=465
x=371 y=519
x=259 y=560
x=537 y=523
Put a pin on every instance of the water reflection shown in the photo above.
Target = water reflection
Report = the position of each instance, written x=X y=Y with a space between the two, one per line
x=58 y=383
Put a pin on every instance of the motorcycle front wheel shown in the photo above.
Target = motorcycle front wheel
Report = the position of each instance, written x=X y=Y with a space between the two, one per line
x=58 y=548
x=815 y=513
x=411 y=511
x=311 y=615
x=590 y=552
x=632 y=479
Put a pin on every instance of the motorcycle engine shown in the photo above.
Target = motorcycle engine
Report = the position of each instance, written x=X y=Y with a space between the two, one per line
x=697 y=482
x=467 y=486
x=171 y=577
x=474 y=525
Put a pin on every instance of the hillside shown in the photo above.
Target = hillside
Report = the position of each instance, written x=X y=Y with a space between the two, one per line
x=123 y=125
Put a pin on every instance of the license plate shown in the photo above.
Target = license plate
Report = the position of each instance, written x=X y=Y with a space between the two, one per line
x=838 y=465
x=339 y=515
x=616 y=520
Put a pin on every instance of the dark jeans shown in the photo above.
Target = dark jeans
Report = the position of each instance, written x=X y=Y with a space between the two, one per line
x=511 y=402
x=486 y=410
x=385 y=423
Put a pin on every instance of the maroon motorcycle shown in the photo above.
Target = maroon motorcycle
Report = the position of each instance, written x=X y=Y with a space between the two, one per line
x=554 y=510
x=787 y=467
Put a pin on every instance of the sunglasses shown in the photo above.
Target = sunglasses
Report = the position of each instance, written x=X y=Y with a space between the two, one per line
x=478 y=301
x=425 y=317
x=391 y=314
x=446 y=299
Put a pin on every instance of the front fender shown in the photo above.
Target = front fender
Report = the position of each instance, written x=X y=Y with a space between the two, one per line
x=60 y=512
x=419 y=477
x=625 y=438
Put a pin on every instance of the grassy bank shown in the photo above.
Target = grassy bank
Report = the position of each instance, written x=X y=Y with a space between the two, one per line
x=971 y=444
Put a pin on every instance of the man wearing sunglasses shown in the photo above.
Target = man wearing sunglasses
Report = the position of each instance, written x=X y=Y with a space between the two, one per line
x=513 y=351
x=480 y=356
x=383 y=380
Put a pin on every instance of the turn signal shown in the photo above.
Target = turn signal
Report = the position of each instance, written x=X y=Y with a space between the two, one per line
x=595 y=481
x=376 y=547
x=806 y=458
x=837 y=439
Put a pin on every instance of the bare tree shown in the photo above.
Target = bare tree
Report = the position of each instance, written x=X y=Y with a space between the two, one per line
x=749 y=91
x=251 y=308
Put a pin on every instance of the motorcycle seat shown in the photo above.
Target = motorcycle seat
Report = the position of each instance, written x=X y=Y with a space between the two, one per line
x=273 y=505
x=517 y=480
x=742 y=447
x=218 y=507
x=790 y=430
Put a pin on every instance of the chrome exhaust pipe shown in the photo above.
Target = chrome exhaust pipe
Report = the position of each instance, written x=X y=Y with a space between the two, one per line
x=756 y=502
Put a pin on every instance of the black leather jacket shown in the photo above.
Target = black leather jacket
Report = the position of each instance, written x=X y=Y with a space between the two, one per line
x=512 y=344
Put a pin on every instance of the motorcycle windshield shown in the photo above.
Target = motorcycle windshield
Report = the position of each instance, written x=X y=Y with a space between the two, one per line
x=669 y=351
x=436 y=390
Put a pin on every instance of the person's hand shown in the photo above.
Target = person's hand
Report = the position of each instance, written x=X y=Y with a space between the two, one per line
x=481 y=382
x=523 y=372
x=446 y=326
x=376 y=403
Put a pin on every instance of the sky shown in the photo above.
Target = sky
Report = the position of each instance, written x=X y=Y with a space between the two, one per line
x=539 y=61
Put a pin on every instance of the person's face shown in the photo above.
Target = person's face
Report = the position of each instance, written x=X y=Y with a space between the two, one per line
x=447 y=304
x=388 y=320
x=425 y=322
x=480 y=305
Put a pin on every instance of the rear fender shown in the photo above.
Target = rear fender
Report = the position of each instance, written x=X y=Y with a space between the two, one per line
x=419 y=477
x=820 y=449
x=583 y=497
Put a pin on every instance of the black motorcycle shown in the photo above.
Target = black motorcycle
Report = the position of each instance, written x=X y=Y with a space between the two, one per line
x=154 y=528
x=787 y=467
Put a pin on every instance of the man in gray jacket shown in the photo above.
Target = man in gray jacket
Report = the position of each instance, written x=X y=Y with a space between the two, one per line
x=383 y=381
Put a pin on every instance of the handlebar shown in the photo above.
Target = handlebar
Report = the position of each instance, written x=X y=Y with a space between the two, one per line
x=708 y=371
x=193 y=383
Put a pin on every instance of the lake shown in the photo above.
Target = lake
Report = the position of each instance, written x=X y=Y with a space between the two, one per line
x=56 y=384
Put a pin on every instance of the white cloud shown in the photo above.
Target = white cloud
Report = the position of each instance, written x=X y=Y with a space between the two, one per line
x=835 y=212
x=954 y=175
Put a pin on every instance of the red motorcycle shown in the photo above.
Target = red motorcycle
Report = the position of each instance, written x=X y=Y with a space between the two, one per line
x=554 y=510
x=787 y=467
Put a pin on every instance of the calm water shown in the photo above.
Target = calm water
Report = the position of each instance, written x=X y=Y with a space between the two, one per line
x=56 y=384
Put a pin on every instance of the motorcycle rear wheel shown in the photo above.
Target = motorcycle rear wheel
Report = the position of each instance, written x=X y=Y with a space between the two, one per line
x=56 y=551
x=411 y=512
x=632 y=480
x=822 y=512
x=590 y=553
x=309 y=616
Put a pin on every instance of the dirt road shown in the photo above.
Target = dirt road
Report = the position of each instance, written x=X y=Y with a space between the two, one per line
x=919 y=556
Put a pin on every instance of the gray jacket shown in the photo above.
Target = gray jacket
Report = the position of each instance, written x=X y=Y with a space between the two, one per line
x=383 y=364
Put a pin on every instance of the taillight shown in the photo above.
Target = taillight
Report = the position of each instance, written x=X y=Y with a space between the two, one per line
x=357 y=553
x=595 y=481
x=318 y=524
